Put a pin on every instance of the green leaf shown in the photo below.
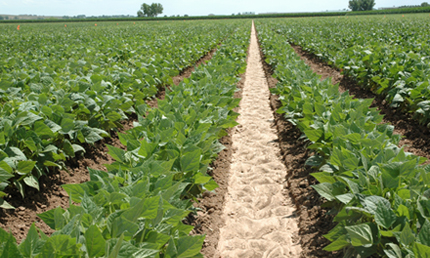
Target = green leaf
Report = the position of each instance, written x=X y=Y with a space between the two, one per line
x=201 y=179
x=384 y=216
x=77 y=148
x=10 y=248
x=5 y=205
x=76 y=191
x=313 y=134
x=189 y=246
x=360 y=235
x=113 y=116
x=42 y=130
x=68 y=148
x=325 y=190
x=338 y=244
x=191 y=161
x=60 y=246
x=115 y=250
x=146 y=148
x=53 y=218
x=421 y=251
x=403 y=211
x=345 y=198
x=150 y=207
x=32 y=244
x=211 y=185
x=314 y=161
x=407 y=237
x=324 y=177
x=32 y=182
x=94 y=242
x=26 y=118
x=5 y=171
x=67 y=125
x=424 y=235
x=394 y=252
x=116 y=153
x=25 y=167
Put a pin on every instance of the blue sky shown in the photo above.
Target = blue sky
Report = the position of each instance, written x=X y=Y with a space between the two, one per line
x=175 y=7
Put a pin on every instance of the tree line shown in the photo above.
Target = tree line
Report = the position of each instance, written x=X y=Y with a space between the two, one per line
x=367 y=5
x=152 y=10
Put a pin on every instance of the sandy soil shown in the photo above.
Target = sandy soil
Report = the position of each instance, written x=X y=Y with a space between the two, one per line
x=259 y=220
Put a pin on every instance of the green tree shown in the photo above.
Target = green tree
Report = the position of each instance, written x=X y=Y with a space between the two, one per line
x=425 y=4
x=361 y=5
x=150 y=10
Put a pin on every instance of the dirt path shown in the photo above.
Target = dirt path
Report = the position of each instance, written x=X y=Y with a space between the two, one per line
x=259 y=222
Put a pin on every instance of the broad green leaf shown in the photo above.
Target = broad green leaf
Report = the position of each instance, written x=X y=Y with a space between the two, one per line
x=60 y=246
x=5 y=171
x=25 y=167
x=10 y=248
x=32 y=244
x=211 y=185
x=313 y=134
x=424 y=234
x=94 y=242
x=191 y=161
x=53 y=218
x=67 y=125
x=76 y=191
x=403 y=211
x=407 y=237
x=337 y=244
x=116 y=153
x=68 y=148
x=394 y=252
x=113 y=251
x=360 y=235
x=325 y=190
x=385 y=216
x=42 y=130
x=5 y=205
x=189 y=246
x=31 y=181
x=324 y=177
x=421 y=251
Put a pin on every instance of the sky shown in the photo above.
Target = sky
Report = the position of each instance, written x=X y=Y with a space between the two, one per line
x=178 y=7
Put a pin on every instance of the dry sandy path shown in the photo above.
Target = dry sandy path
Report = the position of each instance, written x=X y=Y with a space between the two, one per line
x=259 y=222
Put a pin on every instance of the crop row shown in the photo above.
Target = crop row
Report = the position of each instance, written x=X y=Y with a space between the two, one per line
x=379 y=193
x=389 y=56
x=137 y=208
x=64 y=87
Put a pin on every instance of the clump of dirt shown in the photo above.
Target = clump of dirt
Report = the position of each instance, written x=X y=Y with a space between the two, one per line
x=415 y=135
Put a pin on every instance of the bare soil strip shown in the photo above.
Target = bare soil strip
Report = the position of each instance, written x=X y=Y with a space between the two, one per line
x=416 y=137
x=259 y=220
x=51 y=194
